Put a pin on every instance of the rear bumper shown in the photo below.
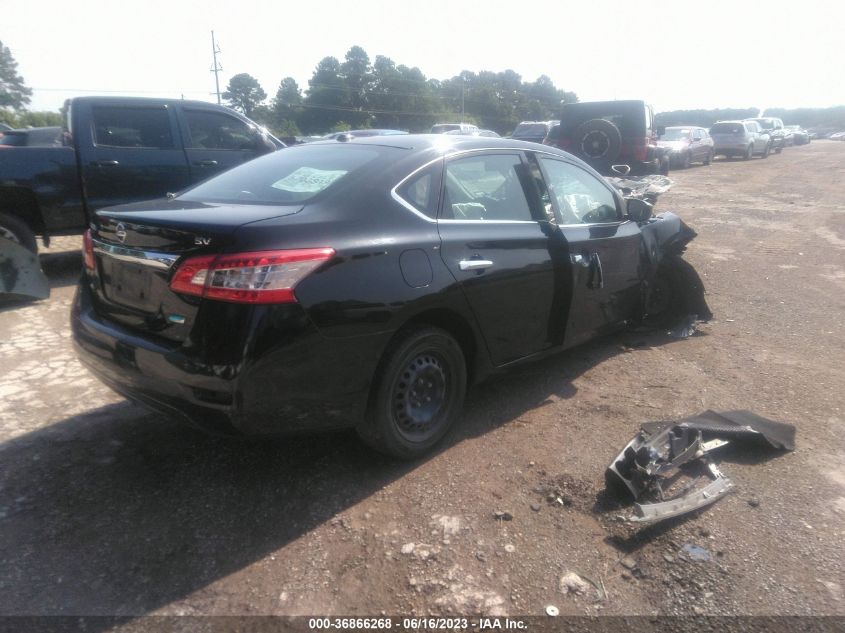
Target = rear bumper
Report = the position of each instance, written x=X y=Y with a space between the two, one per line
x=295 y=382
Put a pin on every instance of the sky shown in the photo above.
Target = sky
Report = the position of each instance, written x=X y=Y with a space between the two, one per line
x=675 y=54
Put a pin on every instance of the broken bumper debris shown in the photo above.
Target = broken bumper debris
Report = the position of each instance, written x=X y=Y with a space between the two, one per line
x=20 y=273
x=666 y=467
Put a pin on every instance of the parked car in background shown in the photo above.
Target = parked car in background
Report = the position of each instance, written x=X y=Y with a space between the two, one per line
x=534 y=131
x=460 y=128
x=837 y=136
x=687 y=144
x=333 y=136
x=800 y=136
x=606 y=133
x=552 y=136
x=32 y=137
x=260 y=301
x=488 y=133
x=774 y=128
x=117 y=150
x=740 y=138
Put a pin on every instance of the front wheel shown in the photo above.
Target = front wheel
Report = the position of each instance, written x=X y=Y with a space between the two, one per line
x=709 y=158
x=17 y=231
x=663 y=166
x=685 y=161
x=767 y=151
x=418 y=393
x=749 y=153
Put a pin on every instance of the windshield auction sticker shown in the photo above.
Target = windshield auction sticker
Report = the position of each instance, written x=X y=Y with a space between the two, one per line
x=308 y=180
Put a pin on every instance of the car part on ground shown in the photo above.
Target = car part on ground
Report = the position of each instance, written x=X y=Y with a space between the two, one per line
x=667 y=466
x=20 y=273
x=604 y=133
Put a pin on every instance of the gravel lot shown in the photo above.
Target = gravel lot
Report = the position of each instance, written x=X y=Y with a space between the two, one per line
x=108 y=509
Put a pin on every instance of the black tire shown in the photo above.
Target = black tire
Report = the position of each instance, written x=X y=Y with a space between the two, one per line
x=598 y=141
x=709 y=158
x=16 y=230
x=779 y=150
x=749 y=153
x=417 y=395
x=663 y=166
x=686 y=160
x=767 y=151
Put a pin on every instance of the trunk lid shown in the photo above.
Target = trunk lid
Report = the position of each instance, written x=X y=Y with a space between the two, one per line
x=138 y=247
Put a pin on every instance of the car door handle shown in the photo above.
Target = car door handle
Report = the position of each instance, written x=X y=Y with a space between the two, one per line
x=596 y=278
x=474 y=264
x=206 y=163
x=579 y=259
x=106 y=163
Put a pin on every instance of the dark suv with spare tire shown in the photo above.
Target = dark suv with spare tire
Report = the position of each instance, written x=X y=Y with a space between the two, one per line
x=607 y=133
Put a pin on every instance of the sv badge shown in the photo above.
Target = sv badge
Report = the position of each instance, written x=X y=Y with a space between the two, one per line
x=202 y=241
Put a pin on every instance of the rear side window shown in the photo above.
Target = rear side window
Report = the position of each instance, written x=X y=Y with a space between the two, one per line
x=291 y=176
x=215 y=130
x=132 y=127
x=422 y=190
x=632 y=119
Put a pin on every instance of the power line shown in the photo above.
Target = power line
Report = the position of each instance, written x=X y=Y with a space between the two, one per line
x=216 y=68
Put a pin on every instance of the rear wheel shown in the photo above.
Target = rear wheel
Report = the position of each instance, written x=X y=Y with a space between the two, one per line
x=418 y=394
x=767 y=150
x=749 y=153
x=17 y=231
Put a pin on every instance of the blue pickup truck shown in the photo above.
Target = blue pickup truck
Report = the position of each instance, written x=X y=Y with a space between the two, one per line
x=116 y=150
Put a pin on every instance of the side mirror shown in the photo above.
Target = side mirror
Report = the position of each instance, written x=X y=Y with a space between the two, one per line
x=622 y=170
x=638 y=210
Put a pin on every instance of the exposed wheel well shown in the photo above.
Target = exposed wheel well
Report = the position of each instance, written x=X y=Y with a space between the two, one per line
x=21 y=203
x=457 y=326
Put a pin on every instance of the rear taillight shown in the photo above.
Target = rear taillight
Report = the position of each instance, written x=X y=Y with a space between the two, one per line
x=641 y=149
x=88 y=251
x=261 y=277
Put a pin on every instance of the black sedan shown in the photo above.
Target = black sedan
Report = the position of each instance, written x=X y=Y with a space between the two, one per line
x=363 y=284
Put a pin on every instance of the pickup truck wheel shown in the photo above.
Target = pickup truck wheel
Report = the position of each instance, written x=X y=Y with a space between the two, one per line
x=418 y=394
x=17 y=231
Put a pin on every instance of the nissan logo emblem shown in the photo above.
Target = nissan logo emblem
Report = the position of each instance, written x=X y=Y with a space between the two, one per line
x=120 y=232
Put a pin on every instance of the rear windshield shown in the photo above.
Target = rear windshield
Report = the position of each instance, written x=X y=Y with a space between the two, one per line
x=444 y=127
x=727 y=128
x=289 y=176
x=676 y=134
x=530 y=129
x=766 y=124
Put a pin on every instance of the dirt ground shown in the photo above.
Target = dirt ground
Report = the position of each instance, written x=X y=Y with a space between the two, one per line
x=108 y=509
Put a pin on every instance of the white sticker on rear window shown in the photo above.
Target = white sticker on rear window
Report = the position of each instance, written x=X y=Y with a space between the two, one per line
x=308 y=180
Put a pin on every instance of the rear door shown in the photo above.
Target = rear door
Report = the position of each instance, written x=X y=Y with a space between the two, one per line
x=130 y=153
x=216 y=141
x=508 y=261
x=603 y=250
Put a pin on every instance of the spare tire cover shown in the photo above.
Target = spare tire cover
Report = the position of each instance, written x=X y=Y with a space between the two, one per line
x=598 y=140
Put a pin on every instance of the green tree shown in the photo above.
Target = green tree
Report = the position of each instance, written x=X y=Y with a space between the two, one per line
x=244 y=93
x=357 y=77
x=13 y=93
x=325 y=104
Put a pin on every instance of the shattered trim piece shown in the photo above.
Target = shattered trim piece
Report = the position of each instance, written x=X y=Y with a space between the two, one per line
x=715 y=490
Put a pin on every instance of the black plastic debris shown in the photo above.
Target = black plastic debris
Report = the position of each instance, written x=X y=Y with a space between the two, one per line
x=667 y=466
x=21 y=276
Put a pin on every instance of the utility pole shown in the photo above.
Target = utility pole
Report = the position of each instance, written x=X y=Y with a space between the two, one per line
x=463 y=83
x=216 y=68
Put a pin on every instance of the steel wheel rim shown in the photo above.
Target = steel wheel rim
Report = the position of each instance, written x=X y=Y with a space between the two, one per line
x=419 y=396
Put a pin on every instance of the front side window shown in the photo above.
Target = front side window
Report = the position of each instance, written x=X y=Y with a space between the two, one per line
x=580 y=197
x=214 y=130
x=116 y=126
x=485 y=187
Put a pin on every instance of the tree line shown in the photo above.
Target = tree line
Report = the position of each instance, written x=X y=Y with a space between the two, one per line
x=357 y=93
x=832 y=118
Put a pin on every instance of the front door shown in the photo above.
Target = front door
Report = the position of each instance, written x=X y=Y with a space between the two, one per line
x=603 y=250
